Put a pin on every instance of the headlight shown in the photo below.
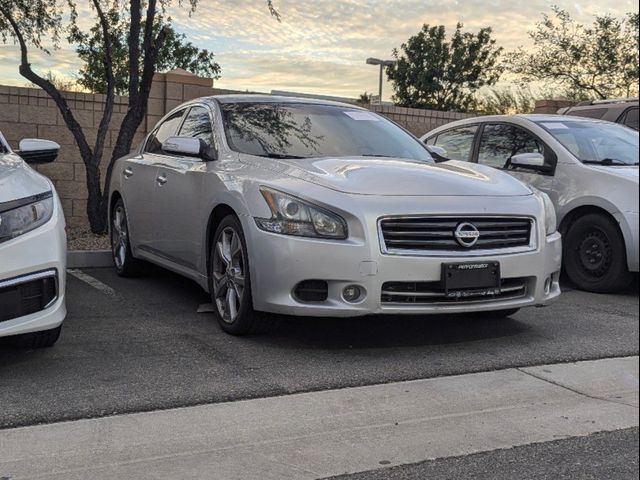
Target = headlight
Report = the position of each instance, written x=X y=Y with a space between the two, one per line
x=25 y=218
x=292 y=216
x=550 y=219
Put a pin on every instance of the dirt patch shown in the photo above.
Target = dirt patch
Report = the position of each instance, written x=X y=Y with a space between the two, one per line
x=84 y=239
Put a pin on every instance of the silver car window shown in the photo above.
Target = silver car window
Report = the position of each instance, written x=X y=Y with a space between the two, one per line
x=500 y=142
x=457 y=142
x=163 y=131
x=198 y=125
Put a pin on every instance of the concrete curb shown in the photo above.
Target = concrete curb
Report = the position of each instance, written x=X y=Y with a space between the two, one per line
x=89 y=259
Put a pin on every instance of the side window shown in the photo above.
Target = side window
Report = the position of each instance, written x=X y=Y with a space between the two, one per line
x=431 y=141
x=198 y=125
x=457 y=142
x=501 y=142
x=590 y=112
x=631 y=118
x=163 y=131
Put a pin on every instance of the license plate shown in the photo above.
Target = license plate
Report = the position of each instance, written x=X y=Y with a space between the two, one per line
x=471 y=279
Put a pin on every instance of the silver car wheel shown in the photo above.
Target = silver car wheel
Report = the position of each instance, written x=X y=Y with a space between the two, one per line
x=228 y=274
x=119 y=237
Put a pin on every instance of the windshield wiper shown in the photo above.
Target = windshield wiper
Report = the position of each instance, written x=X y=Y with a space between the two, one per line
x=608 y=161
x=281 y=156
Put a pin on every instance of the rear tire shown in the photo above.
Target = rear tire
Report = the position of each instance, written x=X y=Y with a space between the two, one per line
x=124 y=262
x=43 y=339
x=230 y=282
x=595 y=255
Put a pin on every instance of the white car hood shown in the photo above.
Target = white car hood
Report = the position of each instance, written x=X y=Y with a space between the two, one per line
x=401 y=177
x=18 y=180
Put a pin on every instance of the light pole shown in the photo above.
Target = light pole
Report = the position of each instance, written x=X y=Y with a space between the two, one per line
x=382 y=63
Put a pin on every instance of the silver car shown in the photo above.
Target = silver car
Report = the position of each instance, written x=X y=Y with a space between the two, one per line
x=303 y=207
x=588 y=167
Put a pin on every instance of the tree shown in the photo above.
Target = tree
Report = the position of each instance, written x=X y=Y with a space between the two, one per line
x=30 y=23
x=599 y=61
x=175 y=52
x=505 y=101
x=436 y=73
x=364 y=99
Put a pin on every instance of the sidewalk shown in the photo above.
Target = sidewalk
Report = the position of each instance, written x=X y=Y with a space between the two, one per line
x=315 y=435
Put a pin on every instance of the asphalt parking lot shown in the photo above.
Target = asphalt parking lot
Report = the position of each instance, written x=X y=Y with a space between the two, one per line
x=141 y=345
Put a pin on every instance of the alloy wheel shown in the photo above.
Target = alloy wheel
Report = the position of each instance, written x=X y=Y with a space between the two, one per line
x=228 y=274
x=119 y=237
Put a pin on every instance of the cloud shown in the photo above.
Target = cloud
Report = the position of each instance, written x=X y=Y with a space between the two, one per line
x=321 y=45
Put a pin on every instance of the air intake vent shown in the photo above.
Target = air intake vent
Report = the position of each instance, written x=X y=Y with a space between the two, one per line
x=312 y=291
x=26 y=295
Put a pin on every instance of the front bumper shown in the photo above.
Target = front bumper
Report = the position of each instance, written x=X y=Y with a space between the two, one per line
x=24 y=260
x=279 y=263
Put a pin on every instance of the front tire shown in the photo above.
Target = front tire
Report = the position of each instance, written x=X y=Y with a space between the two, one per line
x=123 y=261
x=230 y=282
x=43 y=339
x=595 y=256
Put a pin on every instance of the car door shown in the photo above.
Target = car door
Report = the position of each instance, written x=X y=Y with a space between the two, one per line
x=497 y=143
x=139 y=182
x=178 y=194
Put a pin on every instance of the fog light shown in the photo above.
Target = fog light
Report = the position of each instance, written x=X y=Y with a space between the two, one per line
x=351 y=293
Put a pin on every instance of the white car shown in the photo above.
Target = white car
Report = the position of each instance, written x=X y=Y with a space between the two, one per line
x=33 y=247
x=588 y=167
x=313 y=208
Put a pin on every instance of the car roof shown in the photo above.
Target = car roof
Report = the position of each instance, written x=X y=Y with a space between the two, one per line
x=253 y=98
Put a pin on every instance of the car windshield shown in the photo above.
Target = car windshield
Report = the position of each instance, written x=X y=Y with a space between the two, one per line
x=596 y=142
x=294 y=130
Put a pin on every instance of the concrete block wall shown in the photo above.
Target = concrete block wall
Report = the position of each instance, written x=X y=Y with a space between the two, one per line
x=30 y=113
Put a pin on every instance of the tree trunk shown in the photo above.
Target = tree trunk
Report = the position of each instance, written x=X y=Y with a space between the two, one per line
x=96 y=212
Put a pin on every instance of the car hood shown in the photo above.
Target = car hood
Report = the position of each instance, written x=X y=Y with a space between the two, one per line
x=18 y=180
x=401 y=177
x=630 y=172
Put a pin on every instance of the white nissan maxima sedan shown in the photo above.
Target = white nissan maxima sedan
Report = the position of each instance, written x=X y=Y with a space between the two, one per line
x=313 y=208
x=33 y=247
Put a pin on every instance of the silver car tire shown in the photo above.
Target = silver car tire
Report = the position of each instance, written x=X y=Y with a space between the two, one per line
x=230 y=282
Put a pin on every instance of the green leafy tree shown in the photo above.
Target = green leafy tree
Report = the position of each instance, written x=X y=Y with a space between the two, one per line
x=600 y=60
x=175 y=52
x=364 y=99
x=32 y=24
x=437 y=73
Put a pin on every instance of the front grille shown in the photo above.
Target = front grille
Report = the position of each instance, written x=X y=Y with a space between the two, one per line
x=438 y=233
x=432 y=293
x=26 y=295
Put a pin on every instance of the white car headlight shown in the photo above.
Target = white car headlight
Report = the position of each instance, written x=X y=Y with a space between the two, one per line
x=292 y=216
x=25 y=218
x=550 y=218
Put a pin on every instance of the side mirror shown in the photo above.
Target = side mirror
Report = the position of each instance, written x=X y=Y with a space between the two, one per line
x=35 y=151
x=189 y=147
x=532 y=161
x=439 y=153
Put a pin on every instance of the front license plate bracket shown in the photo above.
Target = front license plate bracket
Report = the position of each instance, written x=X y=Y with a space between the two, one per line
x=471 y=278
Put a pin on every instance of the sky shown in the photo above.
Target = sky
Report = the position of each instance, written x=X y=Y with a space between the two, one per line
x=321 y=46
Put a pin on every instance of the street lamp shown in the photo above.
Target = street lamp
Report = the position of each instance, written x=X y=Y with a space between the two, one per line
x=382 y=63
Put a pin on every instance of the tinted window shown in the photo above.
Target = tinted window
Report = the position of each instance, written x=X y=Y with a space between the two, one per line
x=631 y=119
x=302 y=130
x=590 y=113
x=165 y=130
x=198 y=125
x=501 y=142
x=458 y=142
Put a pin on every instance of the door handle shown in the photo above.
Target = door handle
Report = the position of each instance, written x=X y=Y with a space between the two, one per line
x=128 y=173
x=162 y=179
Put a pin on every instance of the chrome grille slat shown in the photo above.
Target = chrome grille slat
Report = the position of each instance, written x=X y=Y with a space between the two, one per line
x=424 y=234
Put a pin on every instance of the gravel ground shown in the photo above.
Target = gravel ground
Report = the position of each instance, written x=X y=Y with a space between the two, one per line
x=84 y=239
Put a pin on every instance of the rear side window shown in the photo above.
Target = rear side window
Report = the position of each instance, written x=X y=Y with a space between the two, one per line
x=163 y=131
x=457 y=142
x=631 y=118
x=589 y=113
x=198 y=125
x=501 y=142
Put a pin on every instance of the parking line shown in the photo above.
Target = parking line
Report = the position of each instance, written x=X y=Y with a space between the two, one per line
x=94 y=282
